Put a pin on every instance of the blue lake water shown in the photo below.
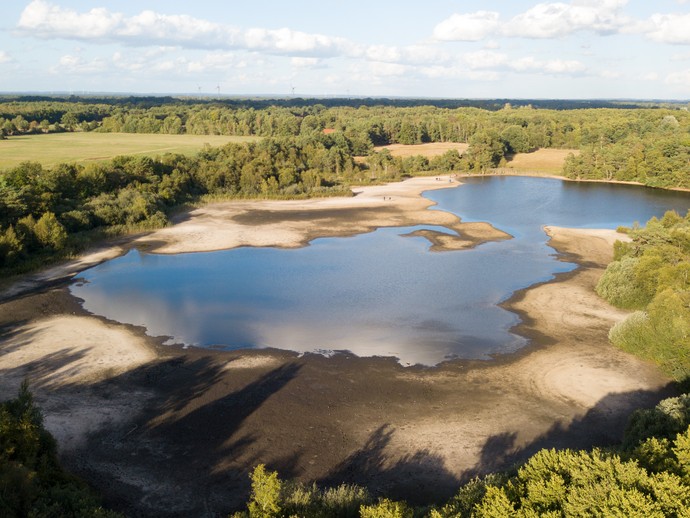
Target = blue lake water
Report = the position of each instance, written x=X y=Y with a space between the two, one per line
x=376 y=294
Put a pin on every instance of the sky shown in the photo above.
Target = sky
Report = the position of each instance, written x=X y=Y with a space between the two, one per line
x=520 y=49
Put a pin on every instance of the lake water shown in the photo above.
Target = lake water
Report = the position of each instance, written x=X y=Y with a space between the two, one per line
x=376 y=294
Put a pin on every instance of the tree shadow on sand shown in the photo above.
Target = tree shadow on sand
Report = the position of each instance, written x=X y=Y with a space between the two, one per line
x=601 y=426
x=177 y=458
x=418 y=477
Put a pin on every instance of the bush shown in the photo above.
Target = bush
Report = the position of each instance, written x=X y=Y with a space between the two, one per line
x=386 y=509
x=32 y=483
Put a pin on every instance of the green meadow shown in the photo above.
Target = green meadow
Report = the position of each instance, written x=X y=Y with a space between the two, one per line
x=81 y=147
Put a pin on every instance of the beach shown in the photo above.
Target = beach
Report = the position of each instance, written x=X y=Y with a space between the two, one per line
x=171 y=431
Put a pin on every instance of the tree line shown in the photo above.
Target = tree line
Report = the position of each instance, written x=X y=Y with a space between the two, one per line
x=650 y=145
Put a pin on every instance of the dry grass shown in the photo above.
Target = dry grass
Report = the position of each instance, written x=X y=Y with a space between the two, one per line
x=548 y=161
x=80 y=147
x=427 y=150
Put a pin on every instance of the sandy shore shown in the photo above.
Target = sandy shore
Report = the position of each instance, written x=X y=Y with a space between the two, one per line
x=169 y=432
x=291 y=224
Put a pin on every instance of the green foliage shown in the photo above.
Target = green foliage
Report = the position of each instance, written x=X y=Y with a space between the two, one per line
x=265 y=498
x=11 y=247
x=486 y=151
x=652 y=274
x=516 y=139
x=386 y=508
x=669 y=418
x=50 y=232
x=32 y=483
x=470 y=494
x=343 y=501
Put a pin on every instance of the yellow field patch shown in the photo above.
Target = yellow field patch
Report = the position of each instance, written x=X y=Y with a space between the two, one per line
x=541 y=161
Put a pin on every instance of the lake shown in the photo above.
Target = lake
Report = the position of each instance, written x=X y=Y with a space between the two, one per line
x=375 y=294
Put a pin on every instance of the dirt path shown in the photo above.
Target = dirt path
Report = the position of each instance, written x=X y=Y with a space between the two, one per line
x=163 y=431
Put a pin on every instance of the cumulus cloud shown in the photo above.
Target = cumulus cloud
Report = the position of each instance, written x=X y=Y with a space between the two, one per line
x=4 y=57
x=467 y=27
x=669 y=28
x=46 y=20
x=544 y=20
x=550 y=20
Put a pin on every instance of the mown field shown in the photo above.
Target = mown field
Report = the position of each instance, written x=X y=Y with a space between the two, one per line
x=545 y=161
x=87 y=147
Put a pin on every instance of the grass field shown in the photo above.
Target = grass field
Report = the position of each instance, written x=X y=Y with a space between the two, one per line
x=88 y=147
x=546 y=161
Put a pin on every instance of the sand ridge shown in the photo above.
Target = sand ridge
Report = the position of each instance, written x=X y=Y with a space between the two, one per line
x=293 y=223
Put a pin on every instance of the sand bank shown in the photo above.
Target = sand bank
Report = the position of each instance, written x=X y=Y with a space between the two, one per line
x=294 y=223
x=170 y=432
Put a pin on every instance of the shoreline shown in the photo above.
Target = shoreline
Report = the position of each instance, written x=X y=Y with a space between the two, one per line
x=168 y=431
x=278 y=223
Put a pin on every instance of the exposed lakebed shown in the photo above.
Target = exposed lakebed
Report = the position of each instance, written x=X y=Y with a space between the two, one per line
x=376 y=294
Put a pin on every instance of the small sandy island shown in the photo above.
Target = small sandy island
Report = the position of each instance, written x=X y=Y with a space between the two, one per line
x=165 y=431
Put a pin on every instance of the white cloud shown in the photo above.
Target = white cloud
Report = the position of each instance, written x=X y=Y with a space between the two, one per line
x=409 y=55
x=551 y=20
x=680 y=78
x=681 y=57
x=4 y=57
x=611 y=74
x=45 y=20
x=300 y=62
x=484 y=59
x=555 y=67
x=381 y=69
x=166 y=60
x=467 y=27
x=70 y=64
x=544 y=20
x=484 y=75
x=669 y=28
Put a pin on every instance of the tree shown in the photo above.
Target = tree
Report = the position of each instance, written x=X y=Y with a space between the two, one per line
x=50 y=232
x=69 y=121
x=265 y=497
x=516 y=139
x=486 y=150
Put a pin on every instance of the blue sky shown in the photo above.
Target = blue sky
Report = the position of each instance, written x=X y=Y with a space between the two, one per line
x=578 y=49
